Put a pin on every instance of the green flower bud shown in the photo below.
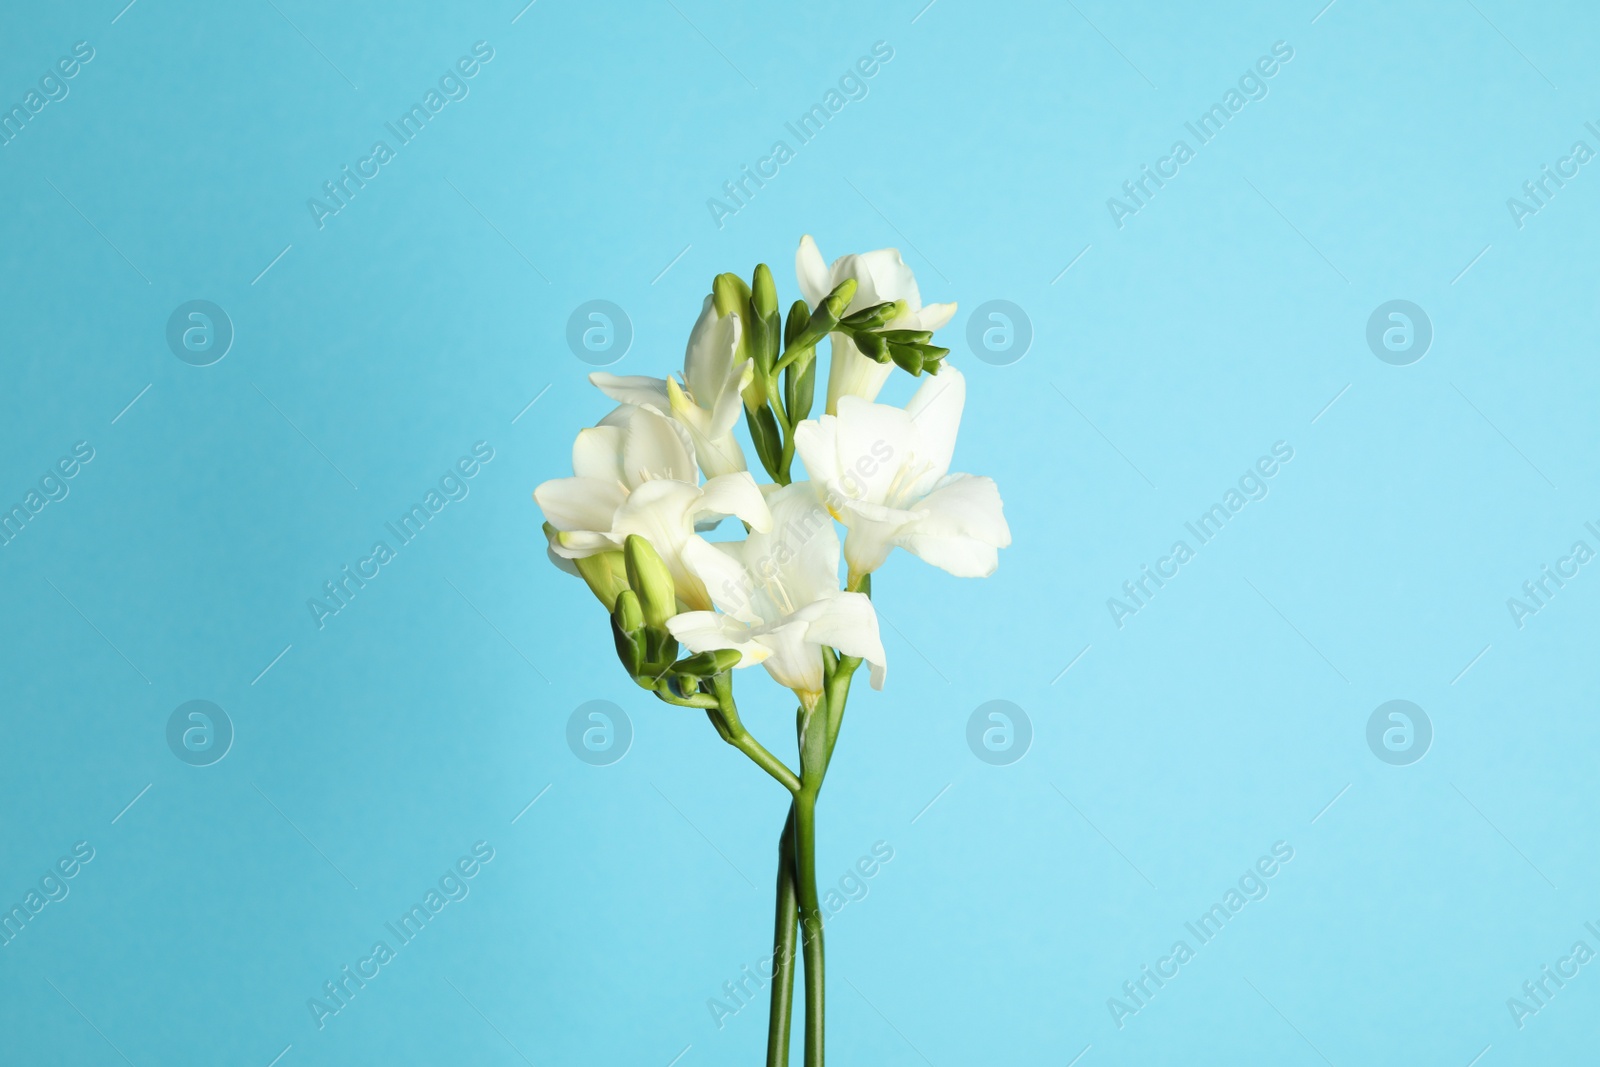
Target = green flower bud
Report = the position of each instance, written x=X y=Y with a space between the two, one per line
x=906 y=337
x=627 y=629
x=628 y=612
x=730 y=295
x=766 y=435
x=800 y=383
x=826 y=317
x=706 y=664
x=764 y=323
x=876 y=315
x=873 y=346
x=651 y=582
x=907 y=357
x=796 y=322
x=763 y=294
x=840 y=298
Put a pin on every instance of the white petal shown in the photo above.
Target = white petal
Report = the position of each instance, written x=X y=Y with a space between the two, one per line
x=936 y=410
x=874 y=441
x=578 y=544
x=801 y=553
x=852 y=374
x=849 y=624
x=706 y=631
x=655 y=446
x=725 y=414
x=884 y=276
x=935 y=316
x=710 y=362
x=659 y=510
x=597 y=453
x=638 y=389
x=562 y=562
x=816 y=441
x=959 y=527
x=796 y=660
x=579 y=503
x=720 y=455
x=868 y=540
x=737 y=495
x=720 y=569
x=811 y=272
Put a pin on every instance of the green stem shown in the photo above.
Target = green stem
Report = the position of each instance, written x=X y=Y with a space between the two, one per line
x=725 y=717
x=837 y=692
x=785 y=923
x=813 y=729
x=765 y=760
x=805 y=848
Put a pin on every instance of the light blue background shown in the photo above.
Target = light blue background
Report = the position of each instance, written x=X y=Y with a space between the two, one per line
x=1222 y=718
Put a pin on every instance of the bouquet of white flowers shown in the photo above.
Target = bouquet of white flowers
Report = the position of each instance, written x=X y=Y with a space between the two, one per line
x=632 y=519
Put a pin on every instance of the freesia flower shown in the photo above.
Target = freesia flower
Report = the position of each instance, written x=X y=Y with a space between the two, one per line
x=779 y=596
x=707 y=403
x=881 y=276
x=634 y=473
x=885 y=475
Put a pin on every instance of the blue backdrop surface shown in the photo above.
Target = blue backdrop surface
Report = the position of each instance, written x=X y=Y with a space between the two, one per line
x=1320 y=267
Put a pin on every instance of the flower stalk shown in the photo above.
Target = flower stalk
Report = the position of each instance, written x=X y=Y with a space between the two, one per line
x=686 y=612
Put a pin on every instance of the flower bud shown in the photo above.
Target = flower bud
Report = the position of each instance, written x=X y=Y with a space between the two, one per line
x=839 y=300
x=799 y=384
x=876 y=315
x=729 y=294
x=627 y=629
x=650 y=581
x=826 y=317
x=766 y=435
x=907 y=357
x=706 y=664
x=872 y=346
x=796 y=322
x=763 y=323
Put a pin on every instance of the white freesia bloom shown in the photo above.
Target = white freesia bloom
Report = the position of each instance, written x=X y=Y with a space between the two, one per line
x=881 y=276
x=634 y=473
x=707 y=403
x=779 y=597
x=885 y=475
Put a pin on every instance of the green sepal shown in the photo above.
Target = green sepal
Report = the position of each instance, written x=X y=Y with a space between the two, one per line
x=660 y=649
x=906 y=337
x=799 y=386
x=606 y=575
x=767 y=437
